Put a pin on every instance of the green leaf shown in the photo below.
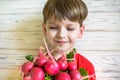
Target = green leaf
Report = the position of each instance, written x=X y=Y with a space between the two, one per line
x=29 y=57
x=70 y=55
x=83 y=72
x=74 y=50
x=48 y=77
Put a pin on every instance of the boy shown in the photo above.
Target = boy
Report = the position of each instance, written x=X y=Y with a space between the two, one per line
x=63 y=25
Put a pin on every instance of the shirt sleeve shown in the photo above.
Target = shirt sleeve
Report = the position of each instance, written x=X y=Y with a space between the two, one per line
x=83 y=62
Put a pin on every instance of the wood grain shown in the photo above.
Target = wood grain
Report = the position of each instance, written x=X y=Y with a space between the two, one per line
x=21 y=34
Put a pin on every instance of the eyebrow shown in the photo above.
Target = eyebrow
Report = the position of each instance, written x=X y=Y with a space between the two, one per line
x=53 y=23
x=49 y=22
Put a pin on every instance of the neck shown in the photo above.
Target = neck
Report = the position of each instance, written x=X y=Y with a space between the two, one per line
x=57 y=54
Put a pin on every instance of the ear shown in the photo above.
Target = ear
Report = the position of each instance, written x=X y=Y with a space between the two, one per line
x=82 y=28
x=44 y=28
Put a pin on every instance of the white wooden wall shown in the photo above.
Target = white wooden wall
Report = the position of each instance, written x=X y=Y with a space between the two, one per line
x=21 y=34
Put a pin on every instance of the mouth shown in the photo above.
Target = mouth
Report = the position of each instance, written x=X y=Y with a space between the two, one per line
x=61 y=42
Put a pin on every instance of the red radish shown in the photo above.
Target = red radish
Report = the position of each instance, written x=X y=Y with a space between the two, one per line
x=62 y=63
x=62 y=76
x=40 y=61
x=27 y=78
x=27 y=66
x=51 y=66
x=75 y=75
x=37 y=74
x=72 y=65
x=40 y=51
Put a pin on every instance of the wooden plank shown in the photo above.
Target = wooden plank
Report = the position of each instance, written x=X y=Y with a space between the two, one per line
x=10 y=74
x=21 y=6
x=94 y=22
x=32 y=40
x=106 y=63
x=14 y=58
x=100 y=41
x=21 y=26
x=32 y=6
x=102 y=6
x=106 y=22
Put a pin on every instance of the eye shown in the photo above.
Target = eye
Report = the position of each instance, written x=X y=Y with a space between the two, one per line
x=52 y=27
x=70 y=29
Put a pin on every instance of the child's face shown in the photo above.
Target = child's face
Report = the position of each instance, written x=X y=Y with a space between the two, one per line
x=62 y=33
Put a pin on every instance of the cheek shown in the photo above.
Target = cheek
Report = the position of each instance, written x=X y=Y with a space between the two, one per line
x=51 y=35
x=74 y=37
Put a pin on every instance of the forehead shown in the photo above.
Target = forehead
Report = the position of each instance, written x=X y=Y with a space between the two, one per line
x=63 y=21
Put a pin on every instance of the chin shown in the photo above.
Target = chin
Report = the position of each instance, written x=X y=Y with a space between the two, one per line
x=63 y=49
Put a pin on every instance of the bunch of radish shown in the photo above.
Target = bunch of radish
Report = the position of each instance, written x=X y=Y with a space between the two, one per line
x=45 y=67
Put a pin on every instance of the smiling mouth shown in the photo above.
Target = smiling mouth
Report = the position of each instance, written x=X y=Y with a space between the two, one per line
x=61 y=42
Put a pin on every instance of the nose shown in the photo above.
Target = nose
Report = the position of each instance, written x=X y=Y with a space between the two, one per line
x=62 y=33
